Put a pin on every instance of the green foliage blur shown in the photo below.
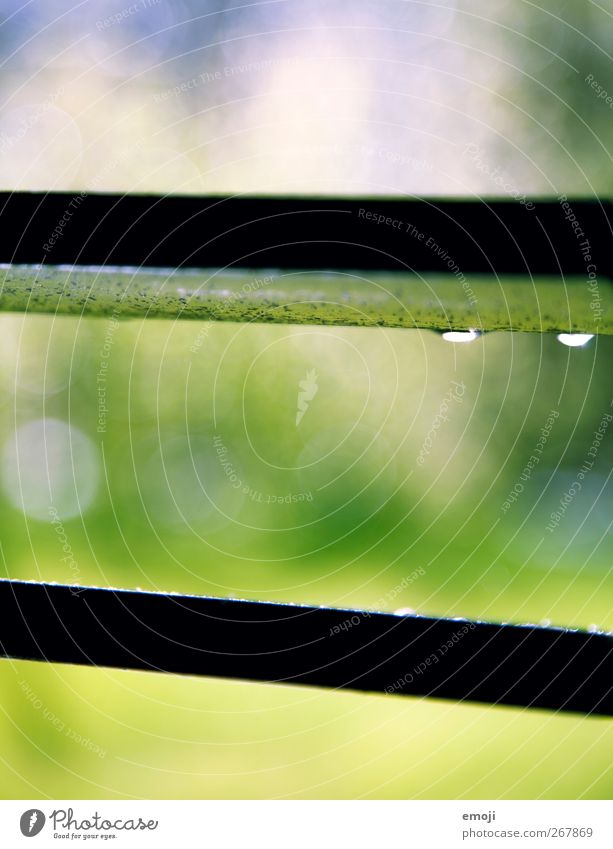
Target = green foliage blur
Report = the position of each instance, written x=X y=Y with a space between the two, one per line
x=153 y=501
x=172 y=455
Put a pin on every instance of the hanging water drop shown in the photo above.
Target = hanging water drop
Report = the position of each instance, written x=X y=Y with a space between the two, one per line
x=461 y=335
x=575 y=340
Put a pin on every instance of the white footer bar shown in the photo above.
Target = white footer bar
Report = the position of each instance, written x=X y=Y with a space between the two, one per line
x=308 y=824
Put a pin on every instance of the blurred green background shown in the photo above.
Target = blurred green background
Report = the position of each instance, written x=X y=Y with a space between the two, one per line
x=148 y=503
x=142 y=464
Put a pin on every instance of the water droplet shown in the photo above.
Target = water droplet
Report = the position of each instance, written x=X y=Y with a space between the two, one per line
x=404 y=611
x=575 y=340
x=461 y=335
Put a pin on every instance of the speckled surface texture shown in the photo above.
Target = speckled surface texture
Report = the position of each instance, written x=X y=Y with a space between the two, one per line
x=338 y=298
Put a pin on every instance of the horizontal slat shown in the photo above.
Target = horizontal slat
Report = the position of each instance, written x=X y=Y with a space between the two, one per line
x=437 y=264
x=376 y=299
x=529 y=665
x=489 y=236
